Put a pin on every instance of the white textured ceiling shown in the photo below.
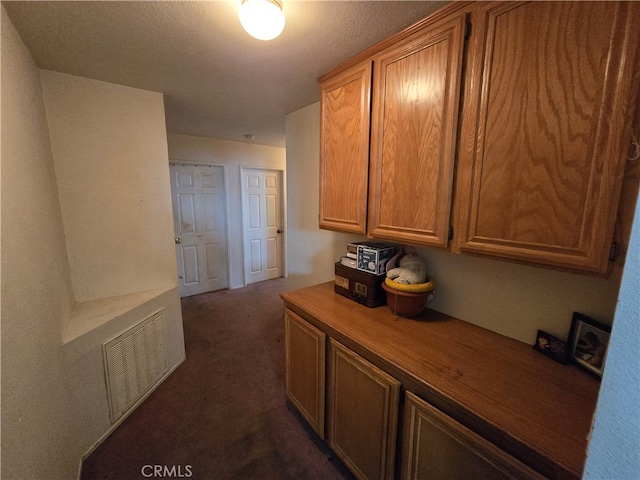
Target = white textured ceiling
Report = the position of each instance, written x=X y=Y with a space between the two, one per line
x=217 y=81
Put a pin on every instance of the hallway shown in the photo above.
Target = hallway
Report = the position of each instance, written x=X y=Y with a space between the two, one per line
x=223 y=413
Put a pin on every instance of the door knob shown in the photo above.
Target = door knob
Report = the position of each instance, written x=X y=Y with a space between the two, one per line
x=178 y=240
x=279 y=231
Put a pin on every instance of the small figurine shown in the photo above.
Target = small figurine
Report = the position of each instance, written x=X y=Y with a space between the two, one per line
x=412 y=270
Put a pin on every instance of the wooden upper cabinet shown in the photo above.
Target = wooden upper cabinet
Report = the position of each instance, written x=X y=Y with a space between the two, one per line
x=344 y=149
x=416 y=91
x=548 y=103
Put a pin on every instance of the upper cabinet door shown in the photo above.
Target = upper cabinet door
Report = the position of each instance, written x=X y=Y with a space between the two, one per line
x=345 y=104
x=549 y=92
x=416 y=91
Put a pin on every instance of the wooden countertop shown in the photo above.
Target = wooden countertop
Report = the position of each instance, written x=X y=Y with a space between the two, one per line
x=532 y=407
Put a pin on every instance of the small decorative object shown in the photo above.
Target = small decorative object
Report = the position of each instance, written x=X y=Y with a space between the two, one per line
x=407 y=286
x=407 y=304
x=411 y=270
x=588 y=342
x=551 y=346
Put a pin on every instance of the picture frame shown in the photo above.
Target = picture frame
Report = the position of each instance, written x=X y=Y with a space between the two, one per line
x=588 y=344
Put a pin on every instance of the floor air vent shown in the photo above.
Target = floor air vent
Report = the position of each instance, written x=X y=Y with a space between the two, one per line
x=134 y=362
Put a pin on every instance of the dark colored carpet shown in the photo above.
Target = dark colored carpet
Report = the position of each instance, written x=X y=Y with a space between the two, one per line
x=223 y=413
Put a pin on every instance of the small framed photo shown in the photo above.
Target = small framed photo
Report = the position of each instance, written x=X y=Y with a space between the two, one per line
x=551 y=346
x=588 y=343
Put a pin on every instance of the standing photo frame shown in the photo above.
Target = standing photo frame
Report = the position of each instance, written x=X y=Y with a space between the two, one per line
x=588 y=344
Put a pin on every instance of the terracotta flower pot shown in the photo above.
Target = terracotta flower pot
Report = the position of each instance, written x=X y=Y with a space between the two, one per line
x=405 y=304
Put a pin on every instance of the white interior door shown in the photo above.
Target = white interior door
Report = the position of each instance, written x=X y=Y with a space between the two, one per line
x=199 y=214
x=262 y=224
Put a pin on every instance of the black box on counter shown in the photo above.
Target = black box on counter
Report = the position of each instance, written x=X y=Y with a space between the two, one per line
x=363 y=287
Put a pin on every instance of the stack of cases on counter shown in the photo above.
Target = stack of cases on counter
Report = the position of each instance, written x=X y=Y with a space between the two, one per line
x=361 y=272
x=351 y=257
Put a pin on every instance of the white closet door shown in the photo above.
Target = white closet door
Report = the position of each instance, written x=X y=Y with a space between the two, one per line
x=200 y=229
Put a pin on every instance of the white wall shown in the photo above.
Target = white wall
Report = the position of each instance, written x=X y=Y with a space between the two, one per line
x=511 y=299
x=37 y=419
x=311 y=252
x=233 y=156
x=84 y=366
x=109 y=143
x=614 y=450
x=107 y=179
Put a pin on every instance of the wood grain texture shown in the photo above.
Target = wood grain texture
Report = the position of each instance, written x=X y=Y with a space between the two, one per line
x=396 y=38
x=305 y=373
x=344 y=150
x=536 y=410
x=362 y=414
x=548 y=102
x=416 y=89
x=628 y=198
x=437 y=447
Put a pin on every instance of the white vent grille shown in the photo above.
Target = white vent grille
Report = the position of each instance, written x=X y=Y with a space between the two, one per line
x=134 y=362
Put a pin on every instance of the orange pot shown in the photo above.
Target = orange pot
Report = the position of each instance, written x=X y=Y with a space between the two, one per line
x=405 y=304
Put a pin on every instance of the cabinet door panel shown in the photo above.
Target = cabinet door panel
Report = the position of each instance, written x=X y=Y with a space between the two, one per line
x=344 y=151
x=415 y=104
x=545 y=130
x=305 y=369
x=437 y=447
x=362 y=414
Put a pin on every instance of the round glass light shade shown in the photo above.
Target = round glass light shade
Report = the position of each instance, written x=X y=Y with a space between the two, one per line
x=262 y=19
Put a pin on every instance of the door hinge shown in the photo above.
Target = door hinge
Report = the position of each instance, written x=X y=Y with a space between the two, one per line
x=467 y=30
x=614 y=251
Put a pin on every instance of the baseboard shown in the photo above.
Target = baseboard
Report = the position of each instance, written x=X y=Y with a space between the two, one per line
x=125 y=416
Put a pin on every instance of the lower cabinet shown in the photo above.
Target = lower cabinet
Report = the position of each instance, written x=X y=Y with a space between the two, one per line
x=362 y=414
x=362 y=405
x=437 y=447
x=305 y=369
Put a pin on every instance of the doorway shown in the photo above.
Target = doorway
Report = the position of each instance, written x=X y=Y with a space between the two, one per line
x=199 y=217
x=262 y=224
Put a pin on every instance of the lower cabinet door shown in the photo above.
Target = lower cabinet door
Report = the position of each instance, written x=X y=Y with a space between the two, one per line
x=305 y=369
x=437 y=447
x=362 y=414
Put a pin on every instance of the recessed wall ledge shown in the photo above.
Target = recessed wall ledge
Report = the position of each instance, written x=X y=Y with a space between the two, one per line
x=87 y=316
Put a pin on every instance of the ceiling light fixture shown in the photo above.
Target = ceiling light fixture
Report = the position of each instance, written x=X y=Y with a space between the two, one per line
x=262 y=19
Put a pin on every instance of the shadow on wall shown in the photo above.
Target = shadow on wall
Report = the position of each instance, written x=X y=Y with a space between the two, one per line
x=320 y=266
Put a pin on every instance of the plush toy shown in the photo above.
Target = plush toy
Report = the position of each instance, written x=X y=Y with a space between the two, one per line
x=412 y=270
